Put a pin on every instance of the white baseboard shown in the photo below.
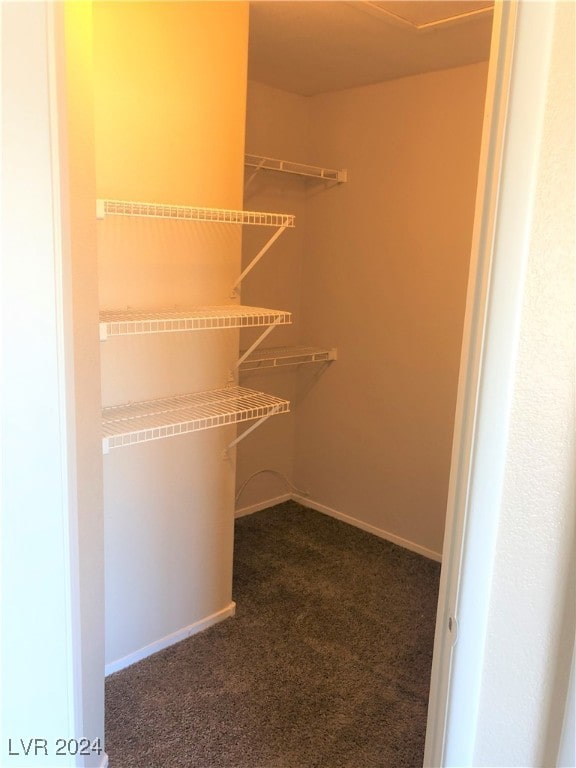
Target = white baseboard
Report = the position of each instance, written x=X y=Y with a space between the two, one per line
x=175 y=637
x=262 y=505
x=306 y=502
x=412 y=546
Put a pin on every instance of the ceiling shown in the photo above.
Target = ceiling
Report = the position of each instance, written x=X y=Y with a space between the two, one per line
x=315 y=46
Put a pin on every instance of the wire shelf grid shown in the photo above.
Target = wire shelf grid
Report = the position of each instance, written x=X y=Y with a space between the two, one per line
x=190 y=213
x=276 y=357
x=137 y=322
x=300 y=169
x=124 y=425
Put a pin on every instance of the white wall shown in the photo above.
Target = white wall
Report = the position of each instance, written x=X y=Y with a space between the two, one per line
x=52 y=571
x=380 y=265
x=384 y=280
x=276 y=126
x=532 y=609
x=169 y=128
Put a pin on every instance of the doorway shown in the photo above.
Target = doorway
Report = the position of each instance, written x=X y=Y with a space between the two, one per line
x=37 y=678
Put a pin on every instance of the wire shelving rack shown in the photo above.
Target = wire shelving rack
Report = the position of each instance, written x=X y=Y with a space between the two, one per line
x=277 y=357
x=281 y=221
x=137 y=322
x=125 y=425
x=190 y=213
x=300 y=169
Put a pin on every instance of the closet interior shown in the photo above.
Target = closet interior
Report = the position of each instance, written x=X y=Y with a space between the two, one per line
x=282 y=267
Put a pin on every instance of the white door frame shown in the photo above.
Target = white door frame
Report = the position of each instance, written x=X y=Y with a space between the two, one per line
x=515 y=102
x=41 y=638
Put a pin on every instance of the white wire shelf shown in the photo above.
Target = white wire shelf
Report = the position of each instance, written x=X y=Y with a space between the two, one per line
x=300 y=169
x=189 y=213
x=133 y=423
x=137 y=322
x=276 y=357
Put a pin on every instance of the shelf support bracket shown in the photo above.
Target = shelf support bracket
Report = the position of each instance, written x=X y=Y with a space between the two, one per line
x=254 y=174
x=256 y=259
x=250 y=429
x=256 y=344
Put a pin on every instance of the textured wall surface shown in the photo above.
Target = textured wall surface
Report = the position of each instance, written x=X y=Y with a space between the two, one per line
x=51 y=498
x=384 y=280
x=170 y=102
x=376 y=267
x=276 y=126
x=531 y=630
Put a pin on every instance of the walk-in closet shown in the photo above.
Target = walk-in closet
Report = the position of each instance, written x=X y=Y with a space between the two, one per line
x=375 y=269
x=235 y=246
x=285 y=200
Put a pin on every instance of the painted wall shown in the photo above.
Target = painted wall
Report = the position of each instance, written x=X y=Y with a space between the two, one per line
x=52 y=564
x=532 y=611
x=170 y=91
x=276 y=126
x=381 y=275
x=385 y=282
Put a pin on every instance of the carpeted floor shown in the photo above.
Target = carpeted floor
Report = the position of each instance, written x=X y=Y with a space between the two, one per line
x=326 y=664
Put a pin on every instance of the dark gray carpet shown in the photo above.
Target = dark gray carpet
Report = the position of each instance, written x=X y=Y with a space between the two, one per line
x=326 y=664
